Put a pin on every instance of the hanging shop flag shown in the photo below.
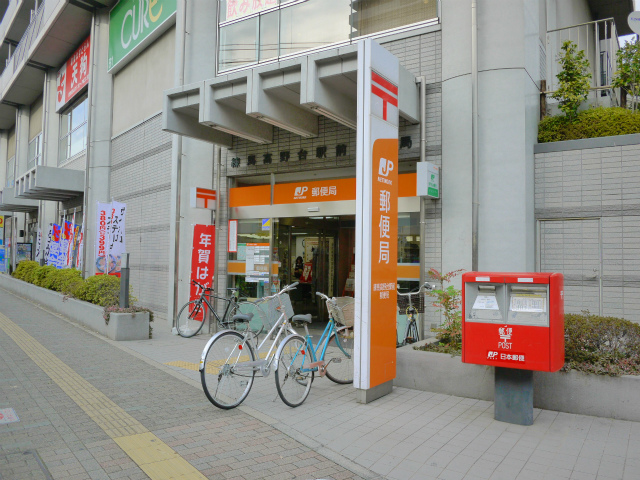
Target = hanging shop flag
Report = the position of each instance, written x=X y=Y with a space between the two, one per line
x=110 y=241
x=53 y=243
x=202 y=259
x=117 y=246
x=102 y=239
x=65 y=240
x=38 y=245
x=80 y=247
x=47 y=245
x=74 y=75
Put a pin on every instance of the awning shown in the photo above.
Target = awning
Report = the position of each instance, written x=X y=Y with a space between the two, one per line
x=50 y=183
x=290 y=95
x=10 y=203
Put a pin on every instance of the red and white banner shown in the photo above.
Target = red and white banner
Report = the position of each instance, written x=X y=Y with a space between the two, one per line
x=74 y=75
x=110 y=240
x=376 y=217
x=203 y=260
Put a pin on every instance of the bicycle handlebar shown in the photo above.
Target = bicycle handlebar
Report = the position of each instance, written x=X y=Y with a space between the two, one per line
x=427 y=286
x=201 y=286
x=284 y=290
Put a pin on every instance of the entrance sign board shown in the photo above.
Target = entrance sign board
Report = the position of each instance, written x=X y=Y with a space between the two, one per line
x=134 y=24
x=74 y=75
x=376 y=219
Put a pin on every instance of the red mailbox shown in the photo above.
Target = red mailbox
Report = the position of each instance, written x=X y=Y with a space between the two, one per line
x=513 y=320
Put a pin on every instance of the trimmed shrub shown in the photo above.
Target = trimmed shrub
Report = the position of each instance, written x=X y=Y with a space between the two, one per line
x=592 y=123
x=41 y=274
x=103 y=290
x=66 y=281
x=25 y=270
x=601 y=345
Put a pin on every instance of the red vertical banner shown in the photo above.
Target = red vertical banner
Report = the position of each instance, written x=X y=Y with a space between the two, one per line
x=202 y=259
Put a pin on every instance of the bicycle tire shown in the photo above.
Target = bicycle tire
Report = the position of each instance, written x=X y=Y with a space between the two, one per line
x=293 y=354
x=340 y=347
x=185 y=324
x=223 y=387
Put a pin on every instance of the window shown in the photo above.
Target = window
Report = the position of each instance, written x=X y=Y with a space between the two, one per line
x=408 y=238
x=11 y=171
x=260 y=30
x=73 y=131
x=35 y=152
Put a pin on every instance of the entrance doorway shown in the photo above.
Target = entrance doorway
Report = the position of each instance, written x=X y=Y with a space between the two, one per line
x=317 y=252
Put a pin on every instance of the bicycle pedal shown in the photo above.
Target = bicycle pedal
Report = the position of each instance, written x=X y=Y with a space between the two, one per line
x=336 y=360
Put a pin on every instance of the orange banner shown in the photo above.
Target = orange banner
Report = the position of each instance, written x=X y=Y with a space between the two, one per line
x=250 y=196
x=318 y=191
x=384 y=258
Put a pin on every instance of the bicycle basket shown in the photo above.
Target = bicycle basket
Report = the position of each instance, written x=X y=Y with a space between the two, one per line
x=417 y=300
x=342 y=309
x=272 y=314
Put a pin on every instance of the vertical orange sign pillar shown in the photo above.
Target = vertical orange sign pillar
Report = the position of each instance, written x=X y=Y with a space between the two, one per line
x=376 y=221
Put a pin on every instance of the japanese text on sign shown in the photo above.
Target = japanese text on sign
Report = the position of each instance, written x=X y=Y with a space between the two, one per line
x=202 y=259
x=74 y=75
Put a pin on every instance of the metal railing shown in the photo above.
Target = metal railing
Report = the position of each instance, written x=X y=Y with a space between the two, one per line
x=599 y=40
x=21 y=53
x=7 y=19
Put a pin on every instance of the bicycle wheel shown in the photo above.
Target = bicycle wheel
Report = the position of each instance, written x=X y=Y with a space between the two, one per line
x=186 y=321
x=293 y=377
x=339 y=356
x=226 y=384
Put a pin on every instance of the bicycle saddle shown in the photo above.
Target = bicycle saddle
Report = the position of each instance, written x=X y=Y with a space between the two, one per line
x=306 y=318
x=243 y=317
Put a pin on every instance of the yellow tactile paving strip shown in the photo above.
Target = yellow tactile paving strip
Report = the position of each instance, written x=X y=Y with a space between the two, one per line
x=155 y=458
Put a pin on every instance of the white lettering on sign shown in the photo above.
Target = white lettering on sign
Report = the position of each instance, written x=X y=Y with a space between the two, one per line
x=483 y=279
x=525 y=280
x=528 y=303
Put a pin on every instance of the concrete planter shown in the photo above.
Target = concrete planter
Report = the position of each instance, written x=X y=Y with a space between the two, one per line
x=571 y=392
x=127 y=326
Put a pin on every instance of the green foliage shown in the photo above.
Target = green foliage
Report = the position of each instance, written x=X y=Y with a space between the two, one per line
x=25 y=270
x=41 y=275
x=592 y=123
x=627 y=75
x=573 y=79
x=447 y=300
x=601 y=345
x=103 y=290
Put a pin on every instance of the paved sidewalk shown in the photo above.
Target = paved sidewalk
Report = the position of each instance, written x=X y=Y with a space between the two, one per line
x=406 y=435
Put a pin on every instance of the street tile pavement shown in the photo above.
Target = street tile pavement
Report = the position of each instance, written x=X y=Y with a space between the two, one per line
x=408 y=434
x=411 y=434
x=55 y=438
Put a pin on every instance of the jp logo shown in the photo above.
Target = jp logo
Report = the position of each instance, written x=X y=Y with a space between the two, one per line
x=385 y=168
x=300 y=191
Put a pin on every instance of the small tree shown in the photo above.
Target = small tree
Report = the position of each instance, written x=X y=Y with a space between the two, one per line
x=627 y=76
x=448 y=300
x=573 y=78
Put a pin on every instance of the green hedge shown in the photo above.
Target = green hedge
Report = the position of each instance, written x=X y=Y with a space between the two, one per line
x=601 y=345
x=593 y=344
x=103 y=290
x=591 y=123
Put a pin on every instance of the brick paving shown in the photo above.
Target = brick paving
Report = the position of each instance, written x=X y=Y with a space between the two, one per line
x=408 y=434
x=55 y=438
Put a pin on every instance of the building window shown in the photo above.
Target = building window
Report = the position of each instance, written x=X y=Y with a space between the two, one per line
x=35 y=152
x=254 y=32
x=73 y=131
x=11 y=164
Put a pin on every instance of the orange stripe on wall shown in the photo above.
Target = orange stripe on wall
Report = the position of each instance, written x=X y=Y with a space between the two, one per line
x=407 y=185
x=238 y=267
x=249 y=196
x=409 y=271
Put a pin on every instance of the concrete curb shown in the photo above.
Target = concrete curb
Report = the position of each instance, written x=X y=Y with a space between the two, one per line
x=571 y=392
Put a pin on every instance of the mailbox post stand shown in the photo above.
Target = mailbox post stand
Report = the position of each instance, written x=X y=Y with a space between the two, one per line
x=513 y=396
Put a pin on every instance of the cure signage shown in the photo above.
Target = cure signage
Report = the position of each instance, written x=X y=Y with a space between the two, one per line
x=134 y=24
x=376 y=221
x=74 y=75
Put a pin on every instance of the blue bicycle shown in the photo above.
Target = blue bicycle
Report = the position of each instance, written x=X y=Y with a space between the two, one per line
x=297 y=360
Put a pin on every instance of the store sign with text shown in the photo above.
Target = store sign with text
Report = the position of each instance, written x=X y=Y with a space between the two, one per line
x=74 y=75
x=202 y=261
x=318 y=191
x=134 y=24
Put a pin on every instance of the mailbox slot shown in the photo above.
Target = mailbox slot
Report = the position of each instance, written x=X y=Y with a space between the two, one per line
x=528 y=305
x=487 y=302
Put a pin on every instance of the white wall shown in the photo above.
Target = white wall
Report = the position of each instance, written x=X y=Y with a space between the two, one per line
x=138 y=88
